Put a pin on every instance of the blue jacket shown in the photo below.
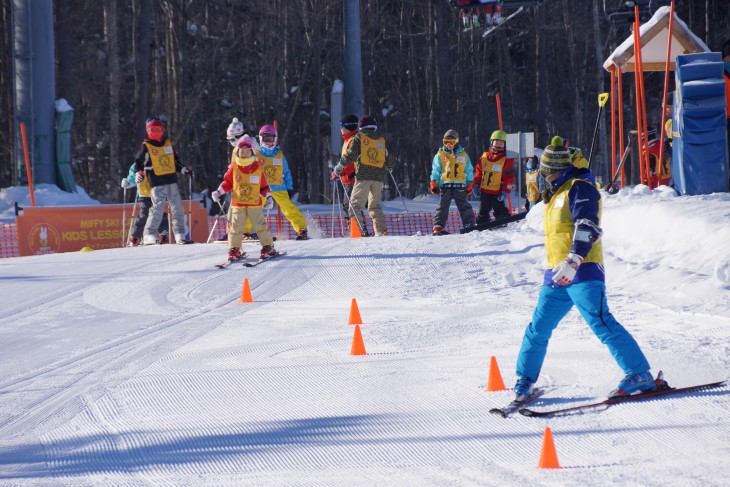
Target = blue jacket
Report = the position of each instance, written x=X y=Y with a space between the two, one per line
x=583 y=200
x=287 y=183
x=437 y=169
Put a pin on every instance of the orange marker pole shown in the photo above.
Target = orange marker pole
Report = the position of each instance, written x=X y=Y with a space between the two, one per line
x=27 y=163
x=660 y=162
x=499 y=112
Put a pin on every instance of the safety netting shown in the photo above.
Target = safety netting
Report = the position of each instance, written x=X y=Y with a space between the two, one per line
x=320 y=226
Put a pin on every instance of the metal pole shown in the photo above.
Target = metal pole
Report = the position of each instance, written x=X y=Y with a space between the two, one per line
x=353 y=58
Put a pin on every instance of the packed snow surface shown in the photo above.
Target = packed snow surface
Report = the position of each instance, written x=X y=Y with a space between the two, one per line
x=141 y=366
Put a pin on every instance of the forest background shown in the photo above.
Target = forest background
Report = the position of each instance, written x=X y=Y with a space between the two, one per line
x=200 y=63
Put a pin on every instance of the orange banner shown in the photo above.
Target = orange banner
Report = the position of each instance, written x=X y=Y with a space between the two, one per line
x=51 y=230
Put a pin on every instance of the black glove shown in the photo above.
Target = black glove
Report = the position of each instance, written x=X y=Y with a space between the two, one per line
x=290 y=192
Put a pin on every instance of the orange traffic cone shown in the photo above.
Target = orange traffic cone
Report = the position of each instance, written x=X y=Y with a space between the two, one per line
x=358 y=347
x=548 y=457
x=354 y=228
x=354 y=314
x=495 y=382
x=246 y=293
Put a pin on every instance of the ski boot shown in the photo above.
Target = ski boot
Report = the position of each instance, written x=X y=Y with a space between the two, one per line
x=634 y=383
x=302 y=235
x=234 y=253
x=523 y=388
x=267 y=251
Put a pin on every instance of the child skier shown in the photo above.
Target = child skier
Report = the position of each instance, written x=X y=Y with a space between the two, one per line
x=246 y=181
x=533 y=183
x=279 y=177
x=144 y=198
x=348 y=129
x=158 y=162
x=452 y=177
x=575 y=276
x=495 y=175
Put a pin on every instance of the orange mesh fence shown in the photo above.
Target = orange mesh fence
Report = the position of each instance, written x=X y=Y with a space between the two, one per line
x=332 y=227
x=8 y=240
x=321 y=225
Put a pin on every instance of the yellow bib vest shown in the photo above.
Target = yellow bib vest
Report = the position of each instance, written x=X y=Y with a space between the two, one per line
x=144 y=189
x=453 y=167
x=273 y=168
x=559 y=227
x=492 y=173
x=162 y=158
x=532 y=186
x=246 y=187
x=372 y=151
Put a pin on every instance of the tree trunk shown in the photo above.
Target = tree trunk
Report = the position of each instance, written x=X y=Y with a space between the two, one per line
x=112 y=45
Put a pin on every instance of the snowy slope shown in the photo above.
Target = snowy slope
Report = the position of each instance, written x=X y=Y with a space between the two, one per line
x=141 y=367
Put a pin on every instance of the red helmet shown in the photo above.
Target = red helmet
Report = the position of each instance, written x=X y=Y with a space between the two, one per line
x=155 y=129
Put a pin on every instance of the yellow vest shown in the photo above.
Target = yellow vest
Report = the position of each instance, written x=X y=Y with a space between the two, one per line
x=372 y=151
x=144 y=189
x=559 y=227
x=453 y=167
x=247 y=187
x=492 y=173
x=668 y=131
x=533 y=186
x=273 y=168
x=162 y=158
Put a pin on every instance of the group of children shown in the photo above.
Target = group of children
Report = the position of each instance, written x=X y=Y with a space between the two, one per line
x=258 y=176
x=453 y=177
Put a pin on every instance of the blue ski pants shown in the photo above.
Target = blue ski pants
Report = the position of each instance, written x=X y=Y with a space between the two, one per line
x=590 y=299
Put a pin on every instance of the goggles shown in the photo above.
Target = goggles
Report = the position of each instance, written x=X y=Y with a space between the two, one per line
x=348 y=126
x=155 y=130
x=268 y=138
x=450 y=141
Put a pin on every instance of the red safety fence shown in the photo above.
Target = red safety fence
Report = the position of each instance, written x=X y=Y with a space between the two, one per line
x=320 y=225
x=325 y=226
x=8 y=240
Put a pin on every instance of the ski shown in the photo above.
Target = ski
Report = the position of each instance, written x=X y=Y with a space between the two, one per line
x=504 y=21
x=606 y=403
x=495 y=224
x=229 y=262
x=255 y=263
x=516 y=405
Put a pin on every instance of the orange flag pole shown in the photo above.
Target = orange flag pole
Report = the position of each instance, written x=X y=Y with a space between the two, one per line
x=620 y=102
x=613 y=119
x=27 y=164
x=499 y=112
x=660 y=162
x=637 y=87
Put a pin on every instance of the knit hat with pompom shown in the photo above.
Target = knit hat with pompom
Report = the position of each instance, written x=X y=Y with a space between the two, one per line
x=555 y=158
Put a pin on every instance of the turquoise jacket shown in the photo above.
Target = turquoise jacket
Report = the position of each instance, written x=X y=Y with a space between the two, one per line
x=437 y=169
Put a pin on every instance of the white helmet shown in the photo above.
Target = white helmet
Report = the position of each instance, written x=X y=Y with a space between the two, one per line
x=234 y=132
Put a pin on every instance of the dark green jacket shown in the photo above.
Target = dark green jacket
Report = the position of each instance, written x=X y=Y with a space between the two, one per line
x=364 y=172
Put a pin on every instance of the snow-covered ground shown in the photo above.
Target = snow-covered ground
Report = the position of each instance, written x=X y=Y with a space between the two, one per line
x=141 y=367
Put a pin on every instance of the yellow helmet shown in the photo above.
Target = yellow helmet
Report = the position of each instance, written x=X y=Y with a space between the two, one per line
x=498 y=135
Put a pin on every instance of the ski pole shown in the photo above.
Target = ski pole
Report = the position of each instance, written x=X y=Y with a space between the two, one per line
x=131 y=218
x=215 y=223
x=390 y=171
x=124 y=217
x=602 y=98
x=360 y=224
x=190 y=204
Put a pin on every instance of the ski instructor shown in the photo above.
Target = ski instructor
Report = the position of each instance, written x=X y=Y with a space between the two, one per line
x=576 y=276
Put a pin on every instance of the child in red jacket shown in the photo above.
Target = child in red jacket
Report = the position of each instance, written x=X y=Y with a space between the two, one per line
x=246 y=181
x=493 y=178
